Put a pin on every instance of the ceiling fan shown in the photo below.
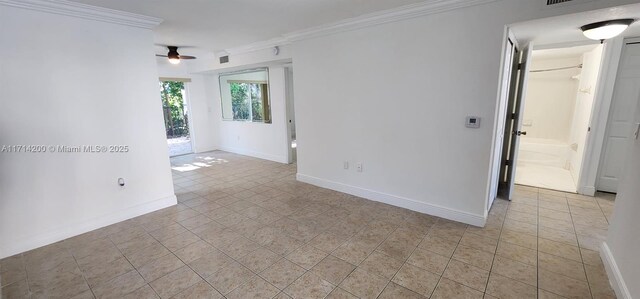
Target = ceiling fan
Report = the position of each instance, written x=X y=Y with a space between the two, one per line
x=174 y=56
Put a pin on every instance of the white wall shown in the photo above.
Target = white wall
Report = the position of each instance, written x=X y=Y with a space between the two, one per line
x=395 y=96
x=204 y=129
x=72 y=81
x=550 y=100
x=266 y=141
x=261 y=140
x=620 y=251
x=583 y=108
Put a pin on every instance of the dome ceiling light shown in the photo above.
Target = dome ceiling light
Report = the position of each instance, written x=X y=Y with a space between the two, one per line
x=606 y=29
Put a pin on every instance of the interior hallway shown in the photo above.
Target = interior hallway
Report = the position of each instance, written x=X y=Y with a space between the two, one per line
x=245 y=228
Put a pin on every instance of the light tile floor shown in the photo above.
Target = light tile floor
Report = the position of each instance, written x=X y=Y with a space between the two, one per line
x=244 y=228
x=545 y=176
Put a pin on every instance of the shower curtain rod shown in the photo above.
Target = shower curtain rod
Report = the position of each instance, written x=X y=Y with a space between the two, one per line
x=579 y=66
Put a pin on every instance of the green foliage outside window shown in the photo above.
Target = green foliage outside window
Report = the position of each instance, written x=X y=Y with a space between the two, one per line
x=239 y=101
x=243 y=95
x=175 y=116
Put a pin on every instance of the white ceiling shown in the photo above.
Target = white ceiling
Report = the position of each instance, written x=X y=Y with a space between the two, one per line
x=566 y=28
x=214 y=25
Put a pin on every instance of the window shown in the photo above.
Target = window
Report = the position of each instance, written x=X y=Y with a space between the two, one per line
x=245 y=96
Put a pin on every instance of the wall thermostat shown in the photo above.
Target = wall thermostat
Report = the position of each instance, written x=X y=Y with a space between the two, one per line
x=472 y=122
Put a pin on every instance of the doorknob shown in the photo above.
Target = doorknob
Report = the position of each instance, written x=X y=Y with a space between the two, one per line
x=518 y=133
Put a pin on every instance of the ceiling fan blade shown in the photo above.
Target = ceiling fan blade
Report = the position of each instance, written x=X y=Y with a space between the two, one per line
x=187 y=57
x=158 y=55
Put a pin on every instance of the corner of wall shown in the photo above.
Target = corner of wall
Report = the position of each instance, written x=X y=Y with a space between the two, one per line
x=587 y=190
x=613 y=272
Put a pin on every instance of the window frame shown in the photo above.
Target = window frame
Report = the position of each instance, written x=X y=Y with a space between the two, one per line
x=267 y=119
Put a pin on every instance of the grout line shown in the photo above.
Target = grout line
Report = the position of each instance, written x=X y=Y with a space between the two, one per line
x=575 y=233
x=82 y=271
x=580 y=251
x=486 y=287
x=198 y=185
x=134 y=268
x=26 y=273
x=538 y=245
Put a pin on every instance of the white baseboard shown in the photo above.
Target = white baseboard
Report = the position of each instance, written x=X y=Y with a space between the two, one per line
x=246 y=152
x=587 y=190
x=613 y=272
x=11 y=248
x=407 y=203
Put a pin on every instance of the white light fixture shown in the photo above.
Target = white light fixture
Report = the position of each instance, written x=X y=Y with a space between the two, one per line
x=606 y=29
x=173 y=55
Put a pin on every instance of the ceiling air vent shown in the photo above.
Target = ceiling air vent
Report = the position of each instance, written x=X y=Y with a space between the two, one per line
x=224 y=59
x=552 y=2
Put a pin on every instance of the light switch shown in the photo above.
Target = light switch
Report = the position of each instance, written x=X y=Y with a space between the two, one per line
x=472 y=122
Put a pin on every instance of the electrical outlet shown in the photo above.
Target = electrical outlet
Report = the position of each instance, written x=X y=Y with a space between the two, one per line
x=345 y=164
x=359 y=167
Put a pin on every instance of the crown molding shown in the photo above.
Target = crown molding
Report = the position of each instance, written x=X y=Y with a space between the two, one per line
x=386 y=16
x=257 y=46
x=84 y=11
x=368 y=20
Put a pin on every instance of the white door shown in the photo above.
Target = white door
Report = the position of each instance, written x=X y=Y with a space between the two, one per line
x=621 y=118
x=509 y=63
x=513 y=124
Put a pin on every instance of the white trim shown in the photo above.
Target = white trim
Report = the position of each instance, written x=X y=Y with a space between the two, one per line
x=385 y=16
x=193 y=138
x=587 y=190
x=257 y=46
x=368 y=20
x=261 y=155
x=84 y=11
x=403 y=202
x=613 y=272
x=494 y=184
x=58 y=234
x=594 y=145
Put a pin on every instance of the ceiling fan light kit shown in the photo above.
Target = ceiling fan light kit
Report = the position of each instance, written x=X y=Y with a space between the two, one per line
x=606 y=29
x=175 y=57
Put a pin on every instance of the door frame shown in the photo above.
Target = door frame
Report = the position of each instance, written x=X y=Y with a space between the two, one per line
x=604 y=89
x=594 y=145
x=290 y=116
x=187 y=101
x=617 y=47
x=505 y=81
x=518 y=95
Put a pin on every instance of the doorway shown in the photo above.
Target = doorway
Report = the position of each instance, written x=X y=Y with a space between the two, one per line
x=292 y=141
x=176 y=117
x=556 y=118
x=621 y=119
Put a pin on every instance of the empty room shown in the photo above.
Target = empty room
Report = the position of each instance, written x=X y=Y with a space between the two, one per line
x=319 y=149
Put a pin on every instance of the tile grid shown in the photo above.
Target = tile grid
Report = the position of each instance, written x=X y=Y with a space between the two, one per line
x=486 y=287
x=580 y=251
x=184 y=186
